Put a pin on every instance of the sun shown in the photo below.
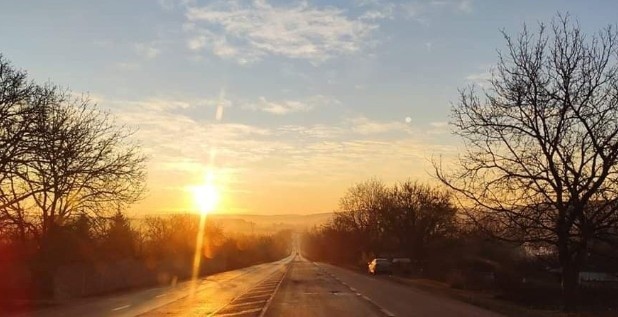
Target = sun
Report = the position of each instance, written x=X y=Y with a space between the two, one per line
x=206 y=197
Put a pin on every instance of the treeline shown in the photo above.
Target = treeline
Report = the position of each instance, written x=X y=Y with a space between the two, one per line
x=410 y=220
x=67 y=170
x=407 y=219
x=421 y=222
x=99 y=255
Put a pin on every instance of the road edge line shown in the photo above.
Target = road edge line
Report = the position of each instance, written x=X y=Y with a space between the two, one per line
x=270 y=299
x=247 y=289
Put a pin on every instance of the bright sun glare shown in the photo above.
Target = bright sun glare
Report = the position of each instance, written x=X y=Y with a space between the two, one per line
x=206 y=196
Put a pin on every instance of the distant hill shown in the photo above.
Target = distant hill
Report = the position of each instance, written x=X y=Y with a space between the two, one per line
x=269 y=223
x=246 y=223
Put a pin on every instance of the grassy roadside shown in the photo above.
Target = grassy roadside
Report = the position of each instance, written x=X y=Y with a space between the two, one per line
x=482 y=299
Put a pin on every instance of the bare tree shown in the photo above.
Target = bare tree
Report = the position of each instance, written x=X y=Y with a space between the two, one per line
x=16 y=94
x=19 y=100
x=59 y=155
x=418 y=216
x=360 y=212
x=375 y=219
x=541 y=156
x=79 y=160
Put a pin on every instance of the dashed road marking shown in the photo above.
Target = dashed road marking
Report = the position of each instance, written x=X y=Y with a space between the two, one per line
x=121 y=307
x=355 y=291
x=249 y=303
x=255 y=300
x=244 y=312
x=269 y=301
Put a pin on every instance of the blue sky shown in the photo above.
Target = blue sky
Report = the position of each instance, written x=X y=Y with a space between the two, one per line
x=314 y=95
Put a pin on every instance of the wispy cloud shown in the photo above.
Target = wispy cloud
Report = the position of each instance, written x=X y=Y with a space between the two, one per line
x=247 y=31
x=422 y=11
x=480 y=78
x=173 y=4
x=457 y=5
x=146 y=50
x=127 y=66
x=288 y=155
x=168 y=104
x=365 y=126
x=280 y=108
x=313 y=131
x=439 y=124
x=377 y=9
x=290 y=106
x=465 y=6
x=438 y=127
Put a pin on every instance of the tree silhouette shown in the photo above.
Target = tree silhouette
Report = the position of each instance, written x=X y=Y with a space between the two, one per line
x=541 y=159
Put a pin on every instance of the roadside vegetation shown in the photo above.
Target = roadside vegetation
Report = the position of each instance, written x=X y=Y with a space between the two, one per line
x=106 y=254
x=530 y=206
x=67 y=171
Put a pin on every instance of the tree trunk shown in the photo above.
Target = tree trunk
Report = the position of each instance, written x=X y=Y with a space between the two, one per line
x=570 y=286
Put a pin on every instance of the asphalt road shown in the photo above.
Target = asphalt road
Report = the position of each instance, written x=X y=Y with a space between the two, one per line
x=200 y=298
x=309 y=290
x=290 y=287
x=396 y=299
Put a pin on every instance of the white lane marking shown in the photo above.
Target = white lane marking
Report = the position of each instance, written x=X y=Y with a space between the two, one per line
x=121 y=307
x=270 y=300
x=259 y=293
x=243 y=312
x=247 y=303
x=383 y=310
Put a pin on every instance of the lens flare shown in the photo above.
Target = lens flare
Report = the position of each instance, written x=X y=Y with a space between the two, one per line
x=206 y=196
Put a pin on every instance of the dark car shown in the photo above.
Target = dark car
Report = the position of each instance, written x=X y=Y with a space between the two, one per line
x=379 y=265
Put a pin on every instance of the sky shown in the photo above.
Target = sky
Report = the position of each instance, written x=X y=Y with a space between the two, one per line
x=282 y=105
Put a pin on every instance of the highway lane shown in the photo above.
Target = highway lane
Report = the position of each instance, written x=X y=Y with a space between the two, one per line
x=290 y=287
x=402 y=300
x=308 y=290
x=209 y=294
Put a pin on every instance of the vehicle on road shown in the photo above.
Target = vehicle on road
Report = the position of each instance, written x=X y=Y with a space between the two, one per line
x=379 y=265
x=401 y=265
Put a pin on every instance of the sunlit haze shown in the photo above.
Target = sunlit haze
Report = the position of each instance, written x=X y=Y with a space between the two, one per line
x=299 y=99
